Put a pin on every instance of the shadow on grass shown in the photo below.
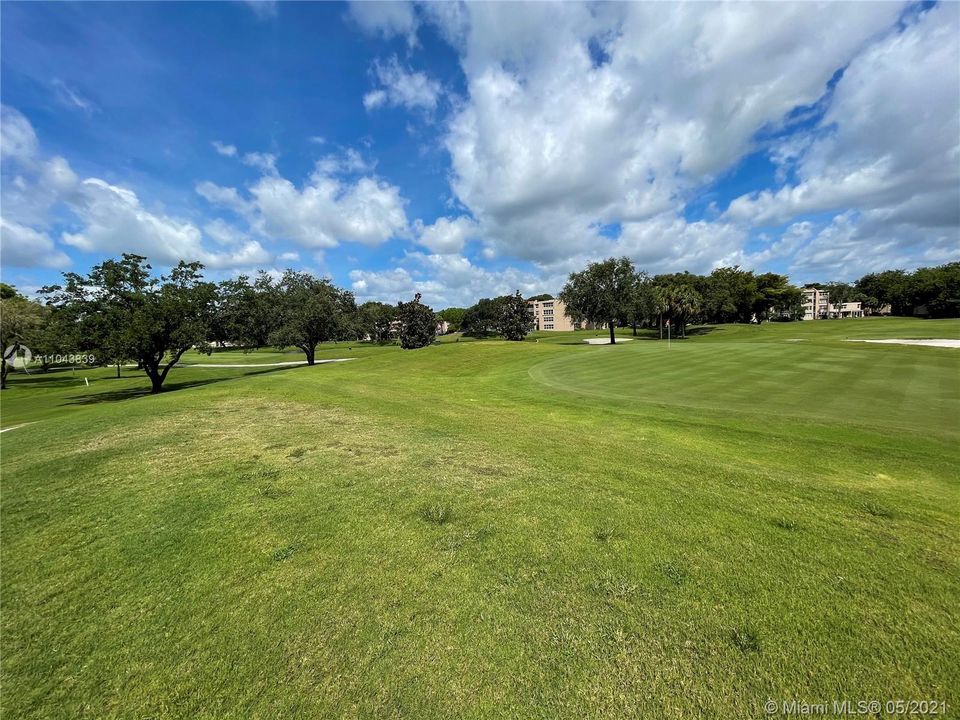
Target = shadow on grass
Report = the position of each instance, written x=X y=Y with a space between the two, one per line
x=168 y=387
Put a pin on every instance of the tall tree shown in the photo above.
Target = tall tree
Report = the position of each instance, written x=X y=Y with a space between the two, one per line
x=643 y=307
x=484 y=318
x=245 y=311
x=682 y=303
x=19 y=317
x=121 y=309
x=602 y=293
x=309 y=311
x=515 y=319
x=375 y=321
x=729 y=295
x=418 y=324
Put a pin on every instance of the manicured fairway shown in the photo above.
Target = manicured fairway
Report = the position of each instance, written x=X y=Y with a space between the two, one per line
x=490 y=529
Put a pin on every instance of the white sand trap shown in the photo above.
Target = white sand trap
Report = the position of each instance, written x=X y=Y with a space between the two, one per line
x=605 y=341
x=795 y=340
x=934 y=342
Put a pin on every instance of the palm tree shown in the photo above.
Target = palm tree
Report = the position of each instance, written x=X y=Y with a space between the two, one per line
x=682 y=304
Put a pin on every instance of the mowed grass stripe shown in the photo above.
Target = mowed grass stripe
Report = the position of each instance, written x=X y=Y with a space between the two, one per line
x=837 y=384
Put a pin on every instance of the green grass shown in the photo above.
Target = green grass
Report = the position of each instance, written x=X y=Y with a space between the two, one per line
x=489 y=529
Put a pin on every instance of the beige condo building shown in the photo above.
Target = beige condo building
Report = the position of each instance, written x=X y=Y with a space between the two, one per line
x=550 y=315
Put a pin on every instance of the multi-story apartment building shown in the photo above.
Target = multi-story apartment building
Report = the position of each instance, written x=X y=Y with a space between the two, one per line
x=550 y=315
x=816 y=303
x=816 y=306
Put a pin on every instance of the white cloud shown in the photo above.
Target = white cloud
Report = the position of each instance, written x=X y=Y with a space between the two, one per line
x=386 y=18
x=72 y=99
x=224 y=196
x=374 y=99
x=446 y=236
x=889 y=142
x=668 y=243
x=18 y=141
x=325 y=211
x=619 y=112
x=402 y=86
x=224 y=149
x=445 y=281
x=349 y=161
x=264 y=162
x=114 y=221
x=263 y=9
x=21 y=246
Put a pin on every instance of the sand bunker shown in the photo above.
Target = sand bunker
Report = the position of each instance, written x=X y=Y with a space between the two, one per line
x=934 y=342
x=605 y=341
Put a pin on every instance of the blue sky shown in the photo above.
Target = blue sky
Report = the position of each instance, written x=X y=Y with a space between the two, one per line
x=468 y=150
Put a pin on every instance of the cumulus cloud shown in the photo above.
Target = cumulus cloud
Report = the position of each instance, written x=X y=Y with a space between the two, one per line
x=18 y=141
x=264 y=162
x=619 y=113
x=324 y=212
x=402 y=86
x=446 y=281
x=446 y=236
x=891 y=140
x=114 y=221
x=224 y=149
x=23 y=246
x=386 y=18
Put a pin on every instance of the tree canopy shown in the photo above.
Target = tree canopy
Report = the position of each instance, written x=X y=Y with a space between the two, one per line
x=602 y=293
x=418 y=324
x=121 y=311
x=309 y=311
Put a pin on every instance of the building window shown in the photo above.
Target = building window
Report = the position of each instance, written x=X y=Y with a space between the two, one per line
x=548 y=326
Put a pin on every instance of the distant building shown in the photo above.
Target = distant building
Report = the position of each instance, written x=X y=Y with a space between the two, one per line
x=816 y=303
x=443 y=327
x=550 y=315
x=846 y=310
x=816 y=306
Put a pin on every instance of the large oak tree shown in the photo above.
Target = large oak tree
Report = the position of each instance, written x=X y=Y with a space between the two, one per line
x=602 y=293
x=309 y=311
x=120 y=310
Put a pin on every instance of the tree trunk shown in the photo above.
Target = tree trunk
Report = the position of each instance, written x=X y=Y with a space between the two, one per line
x=118 y=371
x=310 y=352
x=3 y=375
x=613 y=337
x=660 y=323
x=634 y=329
x=156 y=379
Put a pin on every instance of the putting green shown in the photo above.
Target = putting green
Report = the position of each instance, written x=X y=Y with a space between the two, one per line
x=897 y=388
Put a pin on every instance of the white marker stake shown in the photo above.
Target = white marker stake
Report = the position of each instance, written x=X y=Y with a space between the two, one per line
x=87 y=382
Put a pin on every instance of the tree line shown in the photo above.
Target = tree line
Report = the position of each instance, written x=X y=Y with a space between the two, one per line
x=614 y=293
x=927 y=291
x=121 y=312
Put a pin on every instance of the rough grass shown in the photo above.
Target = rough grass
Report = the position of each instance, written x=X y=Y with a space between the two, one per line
x=487 y=529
